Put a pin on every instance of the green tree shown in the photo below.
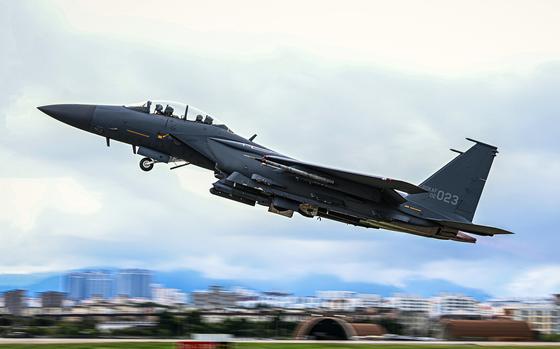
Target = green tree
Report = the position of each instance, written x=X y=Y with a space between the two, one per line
x=6 y=321
x=169 y=325
x=192 y=323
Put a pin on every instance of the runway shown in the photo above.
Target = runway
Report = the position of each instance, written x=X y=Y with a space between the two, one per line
x=350 y=342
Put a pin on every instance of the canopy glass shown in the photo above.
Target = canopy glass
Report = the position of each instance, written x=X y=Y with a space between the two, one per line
x=177 y=110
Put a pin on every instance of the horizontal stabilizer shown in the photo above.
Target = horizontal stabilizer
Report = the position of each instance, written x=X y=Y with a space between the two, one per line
x=378 y=182
x=473 y=228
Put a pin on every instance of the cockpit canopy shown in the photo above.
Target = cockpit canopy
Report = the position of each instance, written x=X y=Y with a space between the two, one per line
x=177 y=110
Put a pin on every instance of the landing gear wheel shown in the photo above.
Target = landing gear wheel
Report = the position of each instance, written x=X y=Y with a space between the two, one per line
x=146 y=164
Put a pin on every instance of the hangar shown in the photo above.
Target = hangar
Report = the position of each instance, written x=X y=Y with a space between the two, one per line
x=332 y=328
x=498 y=330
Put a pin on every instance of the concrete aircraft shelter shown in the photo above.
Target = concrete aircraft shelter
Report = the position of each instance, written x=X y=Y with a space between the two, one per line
x=494 y=330
x=332 y=328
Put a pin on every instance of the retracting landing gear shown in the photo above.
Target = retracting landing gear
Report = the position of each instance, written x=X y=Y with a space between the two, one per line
x=146 y=164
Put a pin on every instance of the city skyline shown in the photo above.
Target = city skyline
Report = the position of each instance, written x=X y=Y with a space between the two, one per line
x=236 y=296
x=90 y=283
x=216 y=308
x=216 y=304
x=109 y=282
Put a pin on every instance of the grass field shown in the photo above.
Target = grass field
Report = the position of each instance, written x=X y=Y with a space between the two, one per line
x=255 y=346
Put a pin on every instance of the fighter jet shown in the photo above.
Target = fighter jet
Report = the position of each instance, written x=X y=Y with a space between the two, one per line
x=441 y=207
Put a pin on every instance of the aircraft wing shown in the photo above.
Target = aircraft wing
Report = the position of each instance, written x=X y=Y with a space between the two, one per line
x=473 y=228
x=378 y=182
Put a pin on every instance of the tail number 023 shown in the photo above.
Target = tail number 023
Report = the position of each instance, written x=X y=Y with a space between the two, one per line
x=447 y=197
x=442 y=195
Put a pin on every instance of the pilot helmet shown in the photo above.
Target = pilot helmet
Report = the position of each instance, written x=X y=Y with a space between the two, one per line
x=208 y=120
x=168 y=110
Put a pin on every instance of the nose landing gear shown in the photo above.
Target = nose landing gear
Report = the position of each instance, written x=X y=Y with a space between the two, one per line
x=146 y=164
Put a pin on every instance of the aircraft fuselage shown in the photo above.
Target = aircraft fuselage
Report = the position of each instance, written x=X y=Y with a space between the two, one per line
x=249 y=173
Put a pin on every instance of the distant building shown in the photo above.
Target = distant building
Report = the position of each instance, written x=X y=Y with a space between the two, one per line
x=214 y=298
x=411 y=303
x=306 y=303
x=276 y=299
x=134 y=283
x=489 y=312
x=544 y=318
x=99 y=284
x=52 y=299
x=88 y=284
x=347 y=300
x=457 y=306
x=273 y=299
x=246 y=298
x=168 y=296
x=14 y=302
x=75 y=286
x=368 y=300
x=338 y=300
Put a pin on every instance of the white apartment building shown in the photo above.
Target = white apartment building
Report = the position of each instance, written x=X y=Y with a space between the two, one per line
x=306 y=303
x=455 y=305
x=214 y=298
x=410 y=303
x=347 y=300
x=168 y=296
x=544 y=318
x=369 y=300
x=277 y=300
x=338 y=300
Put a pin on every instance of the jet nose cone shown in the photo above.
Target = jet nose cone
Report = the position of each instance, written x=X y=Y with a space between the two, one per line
x=77 y=115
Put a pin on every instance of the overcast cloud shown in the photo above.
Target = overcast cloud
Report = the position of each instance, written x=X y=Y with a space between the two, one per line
x=377 y=87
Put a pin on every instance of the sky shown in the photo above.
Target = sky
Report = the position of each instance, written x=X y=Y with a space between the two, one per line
x=377 y=87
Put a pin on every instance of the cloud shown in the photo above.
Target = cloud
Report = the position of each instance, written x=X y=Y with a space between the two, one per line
x=436 y=37
x=25 y=199
x=537 y=281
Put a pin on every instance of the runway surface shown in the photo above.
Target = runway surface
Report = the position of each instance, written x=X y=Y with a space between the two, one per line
x=351 y=342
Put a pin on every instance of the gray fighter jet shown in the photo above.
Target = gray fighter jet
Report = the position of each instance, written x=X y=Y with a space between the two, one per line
x=442 y=207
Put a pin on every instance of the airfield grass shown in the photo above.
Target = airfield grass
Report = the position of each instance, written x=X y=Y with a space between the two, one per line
x=155 y=345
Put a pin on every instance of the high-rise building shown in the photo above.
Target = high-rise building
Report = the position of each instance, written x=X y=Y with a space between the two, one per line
x=75 y=286
x=89 y=284
x=134 y=283
x=14 y=302
x=99 y=284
